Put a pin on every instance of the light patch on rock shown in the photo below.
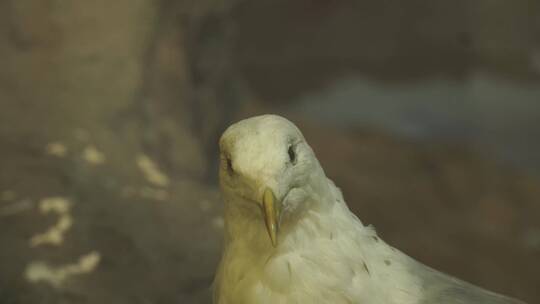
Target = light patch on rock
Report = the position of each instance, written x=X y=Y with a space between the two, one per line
x=57 y=149
x=57 y=204
x=39 y=271
x=151 y=171
x=55 y=234
x=93 y=156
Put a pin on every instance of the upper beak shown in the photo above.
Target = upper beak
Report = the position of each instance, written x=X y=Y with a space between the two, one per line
x=271 y=209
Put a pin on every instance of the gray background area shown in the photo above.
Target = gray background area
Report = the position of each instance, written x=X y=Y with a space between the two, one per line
x=425 y=113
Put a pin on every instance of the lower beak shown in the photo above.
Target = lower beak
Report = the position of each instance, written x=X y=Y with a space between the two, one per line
x=271 y=209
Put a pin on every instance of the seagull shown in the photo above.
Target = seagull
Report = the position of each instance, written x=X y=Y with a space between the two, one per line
x=289 y=237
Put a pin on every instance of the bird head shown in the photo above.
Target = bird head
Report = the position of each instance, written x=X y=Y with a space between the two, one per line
x=266 y=162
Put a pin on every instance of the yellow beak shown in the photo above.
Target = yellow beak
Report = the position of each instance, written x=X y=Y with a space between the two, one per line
x=271 y=210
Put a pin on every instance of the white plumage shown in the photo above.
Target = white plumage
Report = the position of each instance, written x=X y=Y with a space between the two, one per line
x=290 y=238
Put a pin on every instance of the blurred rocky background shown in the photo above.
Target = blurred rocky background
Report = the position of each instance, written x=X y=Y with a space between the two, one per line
x=426 y=113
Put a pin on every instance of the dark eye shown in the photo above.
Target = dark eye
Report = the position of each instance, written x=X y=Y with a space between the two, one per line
x=230 y=169
x=292 y=155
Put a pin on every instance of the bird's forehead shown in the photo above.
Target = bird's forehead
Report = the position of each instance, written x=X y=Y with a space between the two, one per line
x=268 y=132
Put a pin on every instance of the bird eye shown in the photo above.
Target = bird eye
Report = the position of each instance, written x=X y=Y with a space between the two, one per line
x=292 y=155
x=230 y=169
